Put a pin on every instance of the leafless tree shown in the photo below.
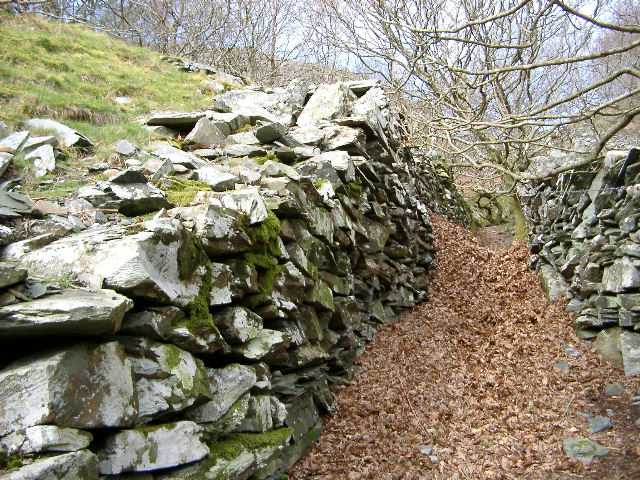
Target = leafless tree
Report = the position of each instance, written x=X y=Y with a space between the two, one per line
x=491 y=83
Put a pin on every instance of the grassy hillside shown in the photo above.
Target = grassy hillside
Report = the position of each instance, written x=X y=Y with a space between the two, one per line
x=72 y=74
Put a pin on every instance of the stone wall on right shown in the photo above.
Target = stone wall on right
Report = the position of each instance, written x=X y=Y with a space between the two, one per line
x=585 y=242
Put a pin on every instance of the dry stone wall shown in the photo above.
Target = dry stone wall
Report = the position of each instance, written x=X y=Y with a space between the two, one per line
x=186 y=318
x=586 y=244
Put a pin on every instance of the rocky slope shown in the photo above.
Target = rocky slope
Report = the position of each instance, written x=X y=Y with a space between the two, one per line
x=187 y=315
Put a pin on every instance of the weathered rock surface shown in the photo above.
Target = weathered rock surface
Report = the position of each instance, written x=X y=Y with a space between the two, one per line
x=583 y=449
x=56 y=387
x=72 y=312
x=10 y=274
x=82 y=465
x=66 y=136
x=161 y=263
x=167 y=378
x=152 y=448
x=45 y=438
x=228 y=384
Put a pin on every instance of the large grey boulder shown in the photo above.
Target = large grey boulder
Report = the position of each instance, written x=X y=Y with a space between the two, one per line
x=327 y=102
x=56 y=387
x=152 y=448
x=161 y=263
x=168 y=379
x=82 y=465
x=228 y=384
x=72 y=312
x=66 y=136
x=217 y=178
x=205 y=132
x=45 y=438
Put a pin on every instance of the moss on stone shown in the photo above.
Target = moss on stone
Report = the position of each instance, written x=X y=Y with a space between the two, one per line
x=198 y=314
x=172 y=357
x=9 y=462
x=233 y=445
x=257 y=441
x=267 y=231
x=268 y=270
x=182 y=191
x=354 y=189
x=265 y=252
x=265 y=158
x=191 y=257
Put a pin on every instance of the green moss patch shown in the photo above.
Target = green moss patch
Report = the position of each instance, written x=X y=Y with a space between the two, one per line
x=265 y=158
x=198 y=314
x=236 y=443
x=182 y=191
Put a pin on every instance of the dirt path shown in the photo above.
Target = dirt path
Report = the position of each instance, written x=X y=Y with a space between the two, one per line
x=473 y=374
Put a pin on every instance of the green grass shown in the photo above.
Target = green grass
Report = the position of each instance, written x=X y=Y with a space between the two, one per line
x=72 y=74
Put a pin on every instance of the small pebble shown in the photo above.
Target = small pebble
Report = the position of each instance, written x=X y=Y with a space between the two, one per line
x=425 y=449
x=562 y=366
x=613 y=389
x=599 y=423
x=571 y=351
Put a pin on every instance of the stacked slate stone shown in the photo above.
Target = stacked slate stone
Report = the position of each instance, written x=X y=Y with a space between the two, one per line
x=586 y=244
x=201 y=340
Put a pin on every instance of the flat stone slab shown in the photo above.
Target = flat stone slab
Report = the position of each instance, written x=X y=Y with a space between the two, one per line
x=72 y=312
x=152 y=448
x=66 y=136
x=45 y=438
x=176 y=120
x=55 y=388
x=161 y=263
x=82 y=465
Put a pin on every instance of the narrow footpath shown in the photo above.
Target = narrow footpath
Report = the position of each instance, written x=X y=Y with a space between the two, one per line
x=483 y=381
